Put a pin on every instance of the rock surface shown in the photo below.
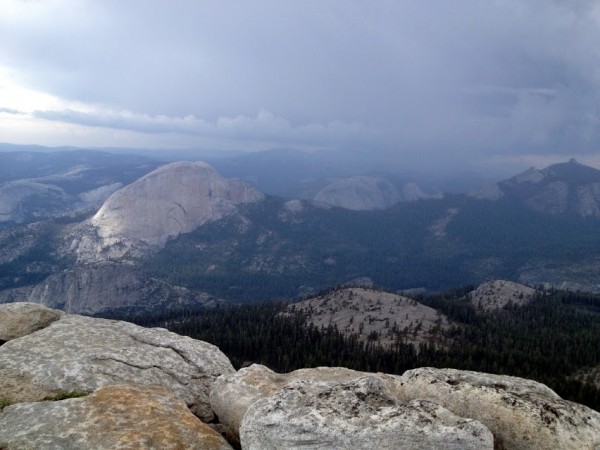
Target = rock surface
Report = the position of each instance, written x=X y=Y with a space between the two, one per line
x=123 y=417
x=367 y=311
x=360 y=193
x=83 y=354
x=231 y=395
x=21 y=319
x=19 y=200
x=522 y=414
x=361 y=414
x=107 y=286
x=558 y=189
x=175 y=198
x=496 y=294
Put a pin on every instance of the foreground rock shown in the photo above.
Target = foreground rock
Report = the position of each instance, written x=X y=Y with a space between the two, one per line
x=232 y=395
x=312 y=405
x=124 y=417
x=522 y=414
x=361 y=414
x=21 y=319
x=79 y=353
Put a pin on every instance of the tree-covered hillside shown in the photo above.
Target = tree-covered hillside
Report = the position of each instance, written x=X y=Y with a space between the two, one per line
x=270 y=251
x=548 y=340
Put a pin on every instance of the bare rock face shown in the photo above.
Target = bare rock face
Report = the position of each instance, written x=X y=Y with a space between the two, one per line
x=122 y=416
x=359 y=193
x=369 y=312
x=105 y=286
x=552 y=199
x=361 y=414
x=81 y=353
x=565 y=188
x=21 y=319
x=175 y=198
x=19 y=198
x=522 y=414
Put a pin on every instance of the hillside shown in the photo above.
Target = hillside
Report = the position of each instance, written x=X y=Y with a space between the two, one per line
x=187 y=226
x=37 y=185
x=497 y=294
x=374 y=316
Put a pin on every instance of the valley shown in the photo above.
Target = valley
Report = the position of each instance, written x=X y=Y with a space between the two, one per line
x=374 y=289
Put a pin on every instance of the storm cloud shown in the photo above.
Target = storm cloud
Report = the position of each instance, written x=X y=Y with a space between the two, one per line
x=463 y=81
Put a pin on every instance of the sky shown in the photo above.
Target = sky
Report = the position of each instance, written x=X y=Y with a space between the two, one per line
x=438 y=83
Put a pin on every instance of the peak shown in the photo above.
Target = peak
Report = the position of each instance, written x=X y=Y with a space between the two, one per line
x=175 y=198
x=184 y=165
x=572 y=172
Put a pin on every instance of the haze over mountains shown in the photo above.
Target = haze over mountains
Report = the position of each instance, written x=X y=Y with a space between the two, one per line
x=204 y=236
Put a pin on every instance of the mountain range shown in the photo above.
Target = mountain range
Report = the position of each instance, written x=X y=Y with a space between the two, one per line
x=190 y=235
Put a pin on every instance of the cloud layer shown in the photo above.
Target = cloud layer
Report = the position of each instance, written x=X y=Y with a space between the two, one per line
x=454 y=81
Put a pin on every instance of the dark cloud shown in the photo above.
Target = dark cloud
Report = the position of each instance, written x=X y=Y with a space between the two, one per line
x=460 y=80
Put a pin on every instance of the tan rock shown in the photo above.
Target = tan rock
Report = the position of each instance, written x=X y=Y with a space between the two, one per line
x=231 y=395
x=82 y=353
x=21 y=319
x=522 y=414
x=113 y=417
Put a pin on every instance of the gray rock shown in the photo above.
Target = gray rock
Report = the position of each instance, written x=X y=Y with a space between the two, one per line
x=123 y=417
x=175 y=198
x=83 y=354
x=522 y=414
x=107 y=286
x=552 y=199
x=496 y=294
x=360 y=193
x=21 y=319
x=360 y=414
x=232 y=394
x=24 y=199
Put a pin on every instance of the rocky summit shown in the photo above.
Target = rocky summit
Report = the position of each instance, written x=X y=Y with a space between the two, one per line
x=74 y=382
x=173 y=199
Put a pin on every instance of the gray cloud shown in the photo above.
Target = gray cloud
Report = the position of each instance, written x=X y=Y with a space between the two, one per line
x=264 y=127
x=460 y=80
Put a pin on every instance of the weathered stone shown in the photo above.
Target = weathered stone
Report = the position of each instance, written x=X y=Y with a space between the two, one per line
x=21 y=319
x=232 y=394
x=522 y=414
x=360 y=414
x=82 y=353
x=359 y=193
x=496 y=294
x=122 y=416
x=364 y=312
x=109 y=286
x=175 y=198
